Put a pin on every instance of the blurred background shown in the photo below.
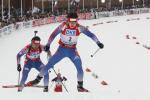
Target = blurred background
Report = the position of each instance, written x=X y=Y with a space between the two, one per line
x=12 y=11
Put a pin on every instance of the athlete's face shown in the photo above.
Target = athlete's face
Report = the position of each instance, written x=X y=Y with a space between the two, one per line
x=35 y=45
x=72 y=24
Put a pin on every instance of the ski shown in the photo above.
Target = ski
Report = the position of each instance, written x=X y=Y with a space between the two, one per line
x=85 y=90
x=16 y=86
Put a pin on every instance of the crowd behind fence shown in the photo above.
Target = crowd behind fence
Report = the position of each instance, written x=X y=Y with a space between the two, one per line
x=39 y=20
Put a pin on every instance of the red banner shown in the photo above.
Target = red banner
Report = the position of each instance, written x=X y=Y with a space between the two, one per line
x=50 y=20
x=60 y=18
x=38 y=22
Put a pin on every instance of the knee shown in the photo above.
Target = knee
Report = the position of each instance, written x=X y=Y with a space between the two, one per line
x=46 y=75
x=80 y=70
x=49 y=65
x=78 y=61
x=25 y=71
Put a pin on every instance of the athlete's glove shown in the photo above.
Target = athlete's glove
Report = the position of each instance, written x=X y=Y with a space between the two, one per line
x=18 y=67
x=101 y=45
x=64 y=78
x=46 y=48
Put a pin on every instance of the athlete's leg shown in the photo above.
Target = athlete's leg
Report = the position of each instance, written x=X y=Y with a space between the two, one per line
x=75 y=58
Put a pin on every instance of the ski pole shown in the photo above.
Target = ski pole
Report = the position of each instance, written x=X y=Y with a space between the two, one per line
x=19 y=78
x=51 y=85
x=95 y=52
x=49 y=53
x=61 y=81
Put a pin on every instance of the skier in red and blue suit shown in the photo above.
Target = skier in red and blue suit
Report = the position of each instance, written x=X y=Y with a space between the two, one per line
x=32 y=60
x=69 y=32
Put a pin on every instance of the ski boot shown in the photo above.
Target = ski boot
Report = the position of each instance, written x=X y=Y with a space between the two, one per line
x=20 y=88
x=80 y=87
x=35 y=81
x=45 y=89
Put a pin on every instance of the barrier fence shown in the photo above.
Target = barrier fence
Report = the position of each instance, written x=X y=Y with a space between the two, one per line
x=82 y=16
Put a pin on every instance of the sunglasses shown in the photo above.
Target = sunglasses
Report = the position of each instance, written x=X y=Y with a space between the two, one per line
x=35 y=42
x=73 y=22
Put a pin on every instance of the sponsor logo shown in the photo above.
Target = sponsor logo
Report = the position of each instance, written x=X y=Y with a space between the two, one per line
x=71 y=32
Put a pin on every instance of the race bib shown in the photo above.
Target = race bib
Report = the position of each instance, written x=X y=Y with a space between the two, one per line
x=70 y=37
x=34 y=55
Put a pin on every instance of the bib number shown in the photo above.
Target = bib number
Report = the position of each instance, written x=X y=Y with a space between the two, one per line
x=70 y=39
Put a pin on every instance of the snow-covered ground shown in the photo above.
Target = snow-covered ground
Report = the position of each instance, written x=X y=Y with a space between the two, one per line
x=123 y=63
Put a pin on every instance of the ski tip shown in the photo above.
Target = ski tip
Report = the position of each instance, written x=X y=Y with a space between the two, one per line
x=4 y=86
x=17 y=86
x=84 y=91
x=10 y=86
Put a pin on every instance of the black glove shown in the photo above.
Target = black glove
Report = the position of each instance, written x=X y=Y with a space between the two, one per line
x=101 y=45
x=46 y=48
x=64 y=78
x=18 y=67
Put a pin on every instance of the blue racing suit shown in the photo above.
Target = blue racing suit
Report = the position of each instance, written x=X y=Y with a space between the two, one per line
x=32 y=60
x=67 y=47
